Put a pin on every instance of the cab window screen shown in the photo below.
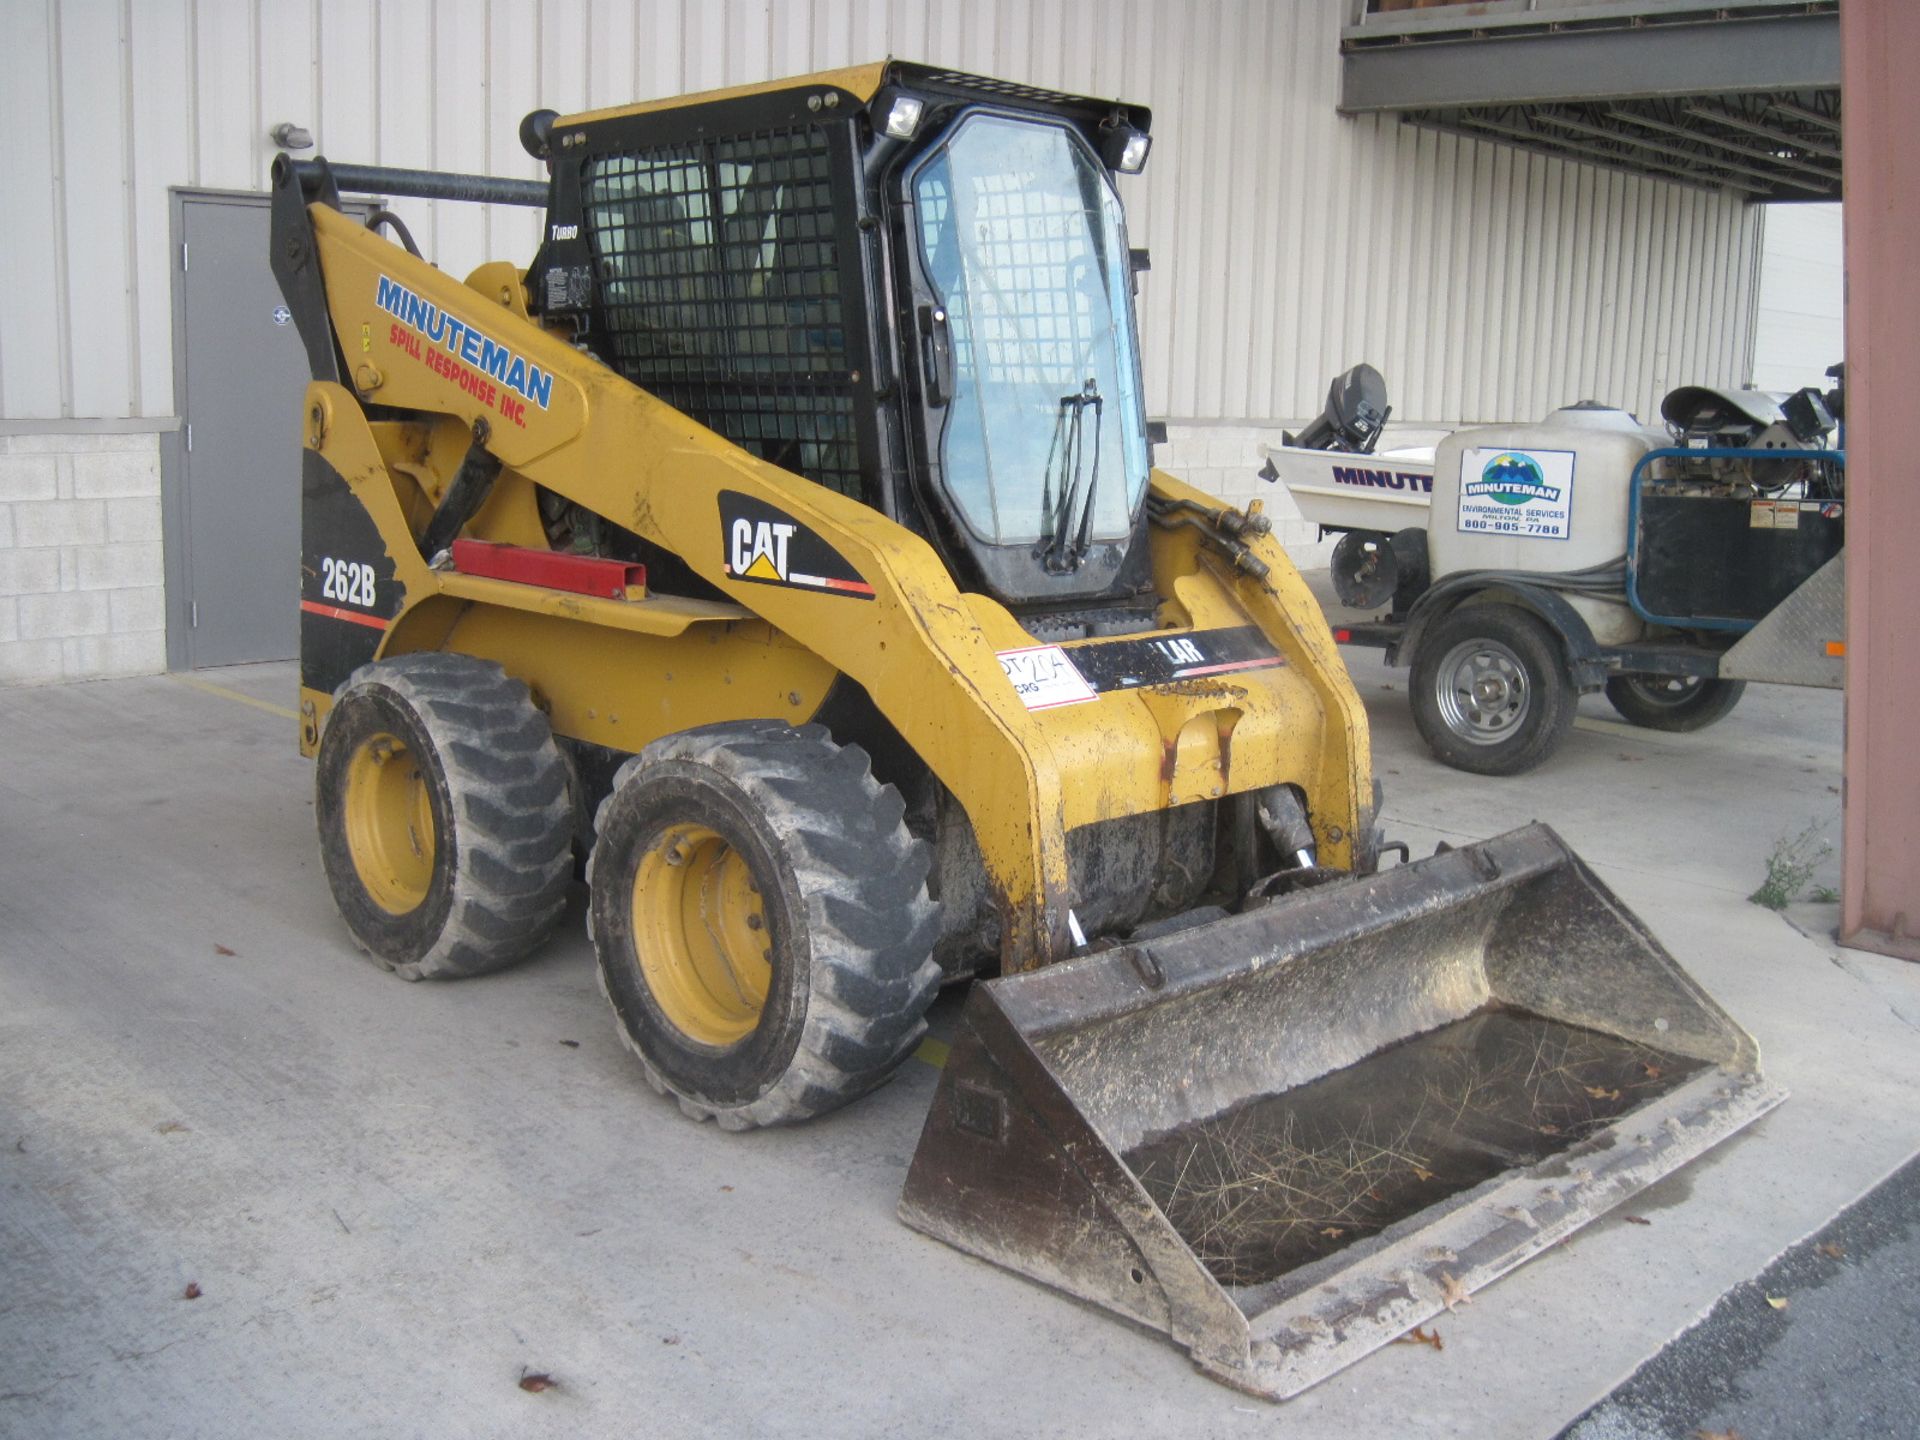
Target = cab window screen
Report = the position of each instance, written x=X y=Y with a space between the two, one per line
x=720 y=284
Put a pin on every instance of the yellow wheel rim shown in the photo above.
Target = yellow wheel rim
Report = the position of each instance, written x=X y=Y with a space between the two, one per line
x=700 y=930
x=389 y=822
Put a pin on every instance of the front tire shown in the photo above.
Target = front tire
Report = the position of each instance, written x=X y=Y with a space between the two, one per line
x=445 y=822
x=1673 y=702
x=760 y=916
x=1491 y=693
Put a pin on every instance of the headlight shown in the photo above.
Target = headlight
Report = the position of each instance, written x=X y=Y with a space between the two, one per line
x=1125 y=149
x=904 y=118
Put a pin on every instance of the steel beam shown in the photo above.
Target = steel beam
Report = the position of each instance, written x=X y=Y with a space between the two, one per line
x=1778 y=52
x=1880 y=856
x=1829 y=174
x=1812 y=117
x=1801 y=143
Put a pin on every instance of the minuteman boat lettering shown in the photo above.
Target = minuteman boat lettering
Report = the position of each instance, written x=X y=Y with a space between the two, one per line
x=487 y=356
x=1383 y=479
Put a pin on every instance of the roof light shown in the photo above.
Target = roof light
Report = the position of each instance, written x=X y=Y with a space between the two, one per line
x=1124 y=147
x=904 y=118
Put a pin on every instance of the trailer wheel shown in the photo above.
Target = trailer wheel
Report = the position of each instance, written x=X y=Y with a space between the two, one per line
x=1673 y=702
x=445 y=821
x=760 y=916
x=1491 y=693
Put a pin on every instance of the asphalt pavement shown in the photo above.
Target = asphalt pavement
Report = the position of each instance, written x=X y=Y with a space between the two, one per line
x=1823 y=1342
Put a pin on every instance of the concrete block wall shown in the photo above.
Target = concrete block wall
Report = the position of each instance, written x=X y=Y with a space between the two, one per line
x=81 y=588
x=1225 y=460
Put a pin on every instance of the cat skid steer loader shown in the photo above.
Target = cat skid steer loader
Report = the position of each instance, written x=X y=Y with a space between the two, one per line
x=785 y=540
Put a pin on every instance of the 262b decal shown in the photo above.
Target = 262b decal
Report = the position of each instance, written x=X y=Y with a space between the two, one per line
x=347 y=582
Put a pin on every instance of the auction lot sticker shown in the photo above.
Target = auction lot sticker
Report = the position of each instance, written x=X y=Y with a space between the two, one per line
x=1517 y=492
x=1043 y=677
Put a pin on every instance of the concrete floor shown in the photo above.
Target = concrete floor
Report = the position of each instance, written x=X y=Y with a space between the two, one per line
x=396 y=1199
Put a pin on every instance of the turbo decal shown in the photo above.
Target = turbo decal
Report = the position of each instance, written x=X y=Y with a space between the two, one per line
x=763 y=544
x=1144 y=660
x=492 y=373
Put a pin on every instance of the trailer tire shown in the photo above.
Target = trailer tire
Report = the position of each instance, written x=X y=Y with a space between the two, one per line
x=444 y=815
x=760 y=916
x=1673 y=702
x=1491 y=692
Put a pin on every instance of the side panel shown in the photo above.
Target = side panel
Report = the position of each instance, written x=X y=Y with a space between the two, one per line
x=349 y=589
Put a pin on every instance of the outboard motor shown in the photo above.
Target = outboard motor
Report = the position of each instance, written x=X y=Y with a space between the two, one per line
x=1356 y=413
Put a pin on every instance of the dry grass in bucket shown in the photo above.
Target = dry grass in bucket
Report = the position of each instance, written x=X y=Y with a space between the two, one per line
x=1270 y=1185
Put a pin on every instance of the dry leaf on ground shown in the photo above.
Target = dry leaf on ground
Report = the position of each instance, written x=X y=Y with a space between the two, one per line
x=192 y=1292
x=1778 y=1302
x=535 y=1383
x=221 y=950
x=1452 y=1292
x=1636 y=1220
x=1419 y=1336
x=1831 y=1250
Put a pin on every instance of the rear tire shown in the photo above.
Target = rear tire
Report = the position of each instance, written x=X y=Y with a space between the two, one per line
x=445 y=822
x=1491 y=693
x=1673 y=702
x=760 y=916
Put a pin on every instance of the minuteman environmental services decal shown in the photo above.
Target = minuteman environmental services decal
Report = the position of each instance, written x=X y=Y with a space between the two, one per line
x=1517 y=492
x=767 y=546
x=1044 y=676
x=493 y=373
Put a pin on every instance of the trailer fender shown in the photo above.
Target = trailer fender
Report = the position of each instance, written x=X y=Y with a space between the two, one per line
x=1586 y=663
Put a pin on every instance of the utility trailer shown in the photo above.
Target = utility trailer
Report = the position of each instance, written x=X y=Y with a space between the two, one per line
x=1525 y=565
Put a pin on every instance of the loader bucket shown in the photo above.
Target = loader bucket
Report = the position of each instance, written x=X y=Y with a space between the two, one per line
x=1286 y=1137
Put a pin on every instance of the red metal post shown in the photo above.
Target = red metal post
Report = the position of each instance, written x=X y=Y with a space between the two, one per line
x=1880 y=894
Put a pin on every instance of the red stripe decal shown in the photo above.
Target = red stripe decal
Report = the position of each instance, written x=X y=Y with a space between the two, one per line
x=334 y=612
x=1261 y=662
x=857 y=587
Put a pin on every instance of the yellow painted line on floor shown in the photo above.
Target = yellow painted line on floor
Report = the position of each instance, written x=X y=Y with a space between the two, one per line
x=224 y=693
x=932 y=1052
x=1608 y=727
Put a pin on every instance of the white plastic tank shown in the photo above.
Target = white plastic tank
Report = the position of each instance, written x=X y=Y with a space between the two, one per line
x=1548 y=497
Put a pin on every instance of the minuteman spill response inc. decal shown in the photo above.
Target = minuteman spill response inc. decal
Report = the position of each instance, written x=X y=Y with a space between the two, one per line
x=1517 y=492
x=492 y=373
x=765 y=545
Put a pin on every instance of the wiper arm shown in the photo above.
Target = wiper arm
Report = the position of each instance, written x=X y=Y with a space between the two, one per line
x=1066 y=547
x=1084 y=540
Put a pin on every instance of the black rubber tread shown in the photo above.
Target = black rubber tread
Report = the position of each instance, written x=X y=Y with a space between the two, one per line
x=1553 y=696
x=1707 y=702
x=502 y=812
x=855 y=963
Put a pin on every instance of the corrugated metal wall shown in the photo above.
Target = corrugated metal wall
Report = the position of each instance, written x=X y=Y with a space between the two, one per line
x=1288 y=242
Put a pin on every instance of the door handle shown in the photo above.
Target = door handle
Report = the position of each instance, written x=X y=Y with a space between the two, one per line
x=936 y=354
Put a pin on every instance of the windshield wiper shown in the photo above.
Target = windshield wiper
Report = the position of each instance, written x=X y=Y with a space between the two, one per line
x=1069 y=543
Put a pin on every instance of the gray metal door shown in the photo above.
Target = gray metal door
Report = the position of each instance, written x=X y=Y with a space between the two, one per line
x=241 y=372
